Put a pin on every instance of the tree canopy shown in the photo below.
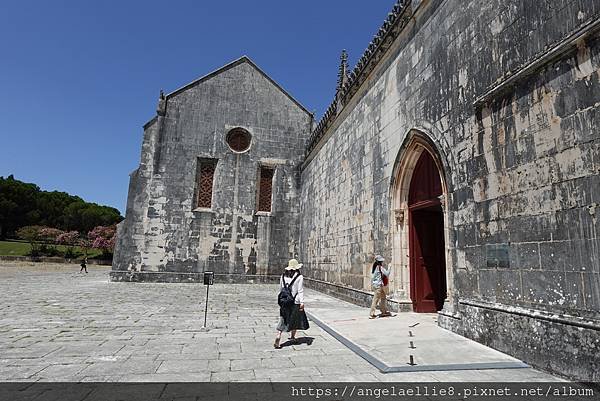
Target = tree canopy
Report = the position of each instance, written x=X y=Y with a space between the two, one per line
x=23 y=204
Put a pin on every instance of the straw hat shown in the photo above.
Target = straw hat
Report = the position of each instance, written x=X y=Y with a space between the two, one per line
x=293 y=265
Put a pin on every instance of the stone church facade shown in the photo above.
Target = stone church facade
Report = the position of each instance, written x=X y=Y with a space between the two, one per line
x=193 y=202
x=464 y=146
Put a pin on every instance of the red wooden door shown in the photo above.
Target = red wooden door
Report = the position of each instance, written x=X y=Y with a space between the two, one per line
x=429 y=278
x=426 y=236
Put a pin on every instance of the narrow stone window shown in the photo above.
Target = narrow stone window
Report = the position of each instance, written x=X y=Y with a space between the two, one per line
x=265 y=189
x=204 y=182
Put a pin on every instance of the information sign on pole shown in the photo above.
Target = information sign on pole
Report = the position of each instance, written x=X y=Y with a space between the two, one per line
x=209 y=279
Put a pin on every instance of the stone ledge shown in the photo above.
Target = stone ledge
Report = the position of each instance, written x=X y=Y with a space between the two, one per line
x=559 y=50
x=354 y=295
x=586 y=323
x=203 y=210
x=542 y=343
x=177 y=277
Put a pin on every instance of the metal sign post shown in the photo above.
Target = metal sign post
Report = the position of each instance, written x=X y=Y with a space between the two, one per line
x=209 y=279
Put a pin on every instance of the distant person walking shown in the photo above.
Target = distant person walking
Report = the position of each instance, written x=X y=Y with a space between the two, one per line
x=83 y=265
x=379 y=282
x=291 y=302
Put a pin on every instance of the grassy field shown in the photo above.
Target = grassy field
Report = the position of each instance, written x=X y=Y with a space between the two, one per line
x=19 y=248
x=14 y=248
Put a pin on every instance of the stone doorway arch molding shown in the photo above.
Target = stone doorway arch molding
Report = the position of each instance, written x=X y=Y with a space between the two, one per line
x=415 y=143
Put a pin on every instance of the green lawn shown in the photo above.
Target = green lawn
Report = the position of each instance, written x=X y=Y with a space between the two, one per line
x=19 y=248
x=14 y=248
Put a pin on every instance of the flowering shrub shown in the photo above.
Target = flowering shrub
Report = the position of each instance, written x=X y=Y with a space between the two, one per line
x=85 y=244
x=41 y=238
x=104 y=238
x=49 y=234
x=69 y=239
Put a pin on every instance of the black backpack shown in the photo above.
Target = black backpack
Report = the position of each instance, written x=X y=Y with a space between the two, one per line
x=285 y=297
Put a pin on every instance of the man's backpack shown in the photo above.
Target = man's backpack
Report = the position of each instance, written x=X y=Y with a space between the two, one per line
x=285 y=297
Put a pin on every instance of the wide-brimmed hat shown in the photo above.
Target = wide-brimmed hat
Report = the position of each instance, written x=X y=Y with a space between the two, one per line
x=293 y=265
x=379 y=258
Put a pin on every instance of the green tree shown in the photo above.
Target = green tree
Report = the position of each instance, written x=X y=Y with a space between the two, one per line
x=17 y=204
x=32 y=235
x=23 y=204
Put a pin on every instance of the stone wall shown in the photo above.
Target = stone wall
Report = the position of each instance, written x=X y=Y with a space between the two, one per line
x=164 y=230
x=353 y=295
x=507 y=95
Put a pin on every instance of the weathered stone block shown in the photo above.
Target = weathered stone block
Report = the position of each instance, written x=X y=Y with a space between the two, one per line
x=536 y=285
x=508 y=287
x=525 y=256
x=488 y=284
x=558 y=256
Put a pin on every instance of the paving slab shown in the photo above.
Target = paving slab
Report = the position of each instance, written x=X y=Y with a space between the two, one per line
x=408 y=341
x=59 y=325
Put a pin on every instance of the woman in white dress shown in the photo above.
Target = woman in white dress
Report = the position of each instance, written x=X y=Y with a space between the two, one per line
x=292 y=316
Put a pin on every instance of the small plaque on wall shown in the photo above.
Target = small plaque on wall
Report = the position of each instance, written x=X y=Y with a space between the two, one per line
x=497 y=255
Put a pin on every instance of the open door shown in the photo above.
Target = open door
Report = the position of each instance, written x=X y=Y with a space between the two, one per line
x=426 y=237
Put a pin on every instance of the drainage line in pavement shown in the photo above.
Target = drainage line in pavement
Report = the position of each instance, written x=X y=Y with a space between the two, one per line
x=383 y=368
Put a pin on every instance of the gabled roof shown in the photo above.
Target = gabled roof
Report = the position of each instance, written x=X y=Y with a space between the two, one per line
x=243 y=59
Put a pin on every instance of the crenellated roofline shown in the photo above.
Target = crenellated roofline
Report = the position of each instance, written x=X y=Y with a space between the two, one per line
x=395 y=22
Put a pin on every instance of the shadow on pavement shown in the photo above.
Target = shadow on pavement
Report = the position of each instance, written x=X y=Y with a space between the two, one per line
x=298 y=341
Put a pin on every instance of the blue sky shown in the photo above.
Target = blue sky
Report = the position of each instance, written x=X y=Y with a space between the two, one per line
x=78 y=79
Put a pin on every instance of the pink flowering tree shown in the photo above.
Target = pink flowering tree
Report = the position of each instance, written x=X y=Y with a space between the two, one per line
x=104 y=238
x=49 y=234
x=48 y=237
x=69 y=239
x=85 y=244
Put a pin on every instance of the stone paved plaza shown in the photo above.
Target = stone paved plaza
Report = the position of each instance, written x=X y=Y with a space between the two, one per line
x=58 y=324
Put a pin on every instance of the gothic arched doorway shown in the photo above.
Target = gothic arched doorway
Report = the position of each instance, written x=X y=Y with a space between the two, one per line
x=422 y=270
x=426 y=237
